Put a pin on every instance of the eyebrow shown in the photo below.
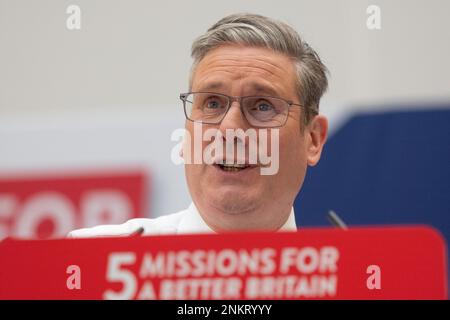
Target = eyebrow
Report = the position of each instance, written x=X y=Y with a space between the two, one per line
x=257 y=87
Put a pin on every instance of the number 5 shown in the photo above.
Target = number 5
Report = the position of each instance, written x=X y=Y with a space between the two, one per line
x=114 y=273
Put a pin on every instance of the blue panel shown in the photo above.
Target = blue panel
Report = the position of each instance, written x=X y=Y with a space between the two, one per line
x=383 y=168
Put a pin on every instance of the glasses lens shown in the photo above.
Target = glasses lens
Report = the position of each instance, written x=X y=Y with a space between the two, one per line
x=205 y=107
x=265 y=111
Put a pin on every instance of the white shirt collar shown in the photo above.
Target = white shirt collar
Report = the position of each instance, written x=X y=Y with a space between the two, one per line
x=192 y=222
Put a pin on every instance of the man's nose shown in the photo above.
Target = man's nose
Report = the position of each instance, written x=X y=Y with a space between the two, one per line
x=234 y=118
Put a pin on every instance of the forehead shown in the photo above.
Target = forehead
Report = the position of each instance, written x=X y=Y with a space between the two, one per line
x=232 y=67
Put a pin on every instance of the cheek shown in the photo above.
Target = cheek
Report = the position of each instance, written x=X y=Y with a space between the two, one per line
x=195 y=146
x=292 y=154
x=194 y=179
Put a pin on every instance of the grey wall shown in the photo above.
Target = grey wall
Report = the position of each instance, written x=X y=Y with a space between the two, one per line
x=100 y=95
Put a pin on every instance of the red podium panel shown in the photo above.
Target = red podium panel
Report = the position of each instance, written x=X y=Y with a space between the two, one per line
x=359 y=263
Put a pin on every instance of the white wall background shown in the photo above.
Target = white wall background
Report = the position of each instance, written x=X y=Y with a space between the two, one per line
x=107 y=95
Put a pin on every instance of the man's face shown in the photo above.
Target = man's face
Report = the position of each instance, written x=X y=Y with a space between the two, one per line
x=246 y=199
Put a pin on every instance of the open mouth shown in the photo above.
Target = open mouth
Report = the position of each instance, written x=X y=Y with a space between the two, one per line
x=233 y=167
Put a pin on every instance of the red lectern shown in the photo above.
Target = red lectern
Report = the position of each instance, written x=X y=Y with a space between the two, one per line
x=359 y=263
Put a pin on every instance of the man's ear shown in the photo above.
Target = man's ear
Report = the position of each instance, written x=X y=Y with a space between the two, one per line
x=316 y=135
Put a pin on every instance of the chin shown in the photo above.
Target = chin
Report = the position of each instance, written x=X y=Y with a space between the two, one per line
x=234 y=201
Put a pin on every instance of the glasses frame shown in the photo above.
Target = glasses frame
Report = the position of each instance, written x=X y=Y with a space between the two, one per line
x=231 y=99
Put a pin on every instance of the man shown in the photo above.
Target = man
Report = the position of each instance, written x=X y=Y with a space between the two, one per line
x=249 y=73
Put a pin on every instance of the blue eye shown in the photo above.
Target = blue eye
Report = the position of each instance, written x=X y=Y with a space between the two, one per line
x=264 y=107
x=213 y=104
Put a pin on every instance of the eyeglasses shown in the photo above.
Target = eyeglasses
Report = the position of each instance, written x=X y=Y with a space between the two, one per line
x=260 y=111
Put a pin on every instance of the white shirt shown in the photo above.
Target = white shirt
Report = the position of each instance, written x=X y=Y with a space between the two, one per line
x=182 y=222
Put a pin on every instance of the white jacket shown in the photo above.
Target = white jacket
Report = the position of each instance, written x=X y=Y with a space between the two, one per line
x=182 y=222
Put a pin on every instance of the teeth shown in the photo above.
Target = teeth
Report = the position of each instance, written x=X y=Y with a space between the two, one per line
x=231 y=169
x=233 y=165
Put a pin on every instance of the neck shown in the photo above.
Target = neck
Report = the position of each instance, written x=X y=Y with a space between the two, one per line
x=260 y=218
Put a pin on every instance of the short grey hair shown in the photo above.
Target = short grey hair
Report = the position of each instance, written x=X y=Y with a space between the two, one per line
x=260 y=31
